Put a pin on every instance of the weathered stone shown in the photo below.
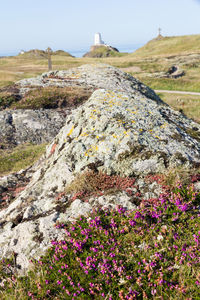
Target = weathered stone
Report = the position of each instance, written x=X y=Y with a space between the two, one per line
x=35 y=126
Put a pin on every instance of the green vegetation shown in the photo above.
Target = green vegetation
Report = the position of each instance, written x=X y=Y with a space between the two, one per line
x=170 y=45
x=52 y=97
x=20 y=157
x=149 y=253
x=36 y=53
x=156 y=56
x=180 y=84
x=188 y=104
x=6 y=99
x=104 y=52
x=91 y=183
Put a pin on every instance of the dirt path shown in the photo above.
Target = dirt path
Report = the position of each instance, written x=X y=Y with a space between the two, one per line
x=177 y=92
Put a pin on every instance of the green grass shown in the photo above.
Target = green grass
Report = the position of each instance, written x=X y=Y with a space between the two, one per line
x=170 y=45
x=102 y=52
x=180 y=84
x=20 y=157
x=188 y=104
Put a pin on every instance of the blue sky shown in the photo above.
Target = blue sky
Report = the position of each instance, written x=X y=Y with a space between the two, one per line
x=71 y=24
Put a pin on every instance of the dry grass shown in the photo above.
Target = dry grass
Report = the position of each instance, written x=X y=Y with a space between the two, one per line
x=170 y=45
x=188 y=104
x=94 y=183
x=20 y=157
x=179 y=174
x=52 y=97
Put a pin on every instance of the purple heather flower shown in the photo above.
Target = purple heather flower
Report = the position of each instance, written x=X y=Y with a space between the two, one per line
x=132 y=223
x=137 y=215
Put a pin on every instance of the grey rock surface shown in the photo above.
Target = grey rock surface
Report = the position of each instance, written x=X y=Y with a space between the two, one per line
x=96 y=76
x=35 y=126
x=122 y=129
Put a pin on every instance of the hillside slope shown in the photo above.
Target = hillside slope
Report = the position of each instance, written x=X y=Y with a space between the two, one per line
x=170 y=45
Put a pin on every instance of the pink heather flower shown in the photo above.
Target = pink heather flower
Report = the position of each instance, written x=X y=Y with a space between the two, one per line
x=132 y=222
x=137 y=215
x=67 y=292
x=153 y=292
x=184 y=207
x=59 y=282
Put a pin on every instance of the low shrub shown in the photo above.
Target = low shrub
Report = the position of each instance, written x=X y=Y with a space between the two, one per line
x=52 y=97
x=6 y=99
x=149 y=253
x=91 y=183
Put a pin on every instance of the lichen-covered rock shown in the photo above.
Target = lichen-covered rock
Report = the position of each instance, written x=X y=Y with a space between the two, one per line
x=122 y=129
x=94 y=76
x=35 y=126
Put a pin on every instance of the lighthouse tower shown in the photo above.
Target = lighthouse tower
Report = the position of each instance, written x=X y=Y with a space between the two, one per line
x=97 y=39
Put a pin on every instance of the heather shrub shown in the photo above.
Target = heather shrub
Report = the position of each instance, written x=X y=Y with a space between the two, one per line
x=149 y=253
x=52 y=97
x=6 y=99
x=91 y=183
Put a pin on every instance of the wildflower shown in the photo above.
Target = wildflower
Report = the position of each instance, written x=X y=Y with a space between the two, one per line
x=160 y=237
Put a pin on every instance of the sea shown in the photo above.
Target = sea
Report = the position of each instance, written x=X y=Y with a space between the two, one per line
x=81 y=52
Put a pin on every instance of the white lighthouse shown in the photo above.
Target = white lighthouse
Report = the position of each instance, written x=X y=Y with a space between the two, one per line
x=97 y=39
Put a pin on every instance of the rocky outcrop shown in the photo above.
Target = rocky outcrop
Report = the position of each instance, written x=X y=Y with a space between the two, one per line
x=173 y=72
x=33 y=126
x=94 y=76
x=124 y=128
x=101 y=51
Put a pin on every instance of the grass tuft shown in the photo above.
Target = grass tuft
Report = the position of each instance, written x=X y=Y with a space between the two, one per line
x=20 y=157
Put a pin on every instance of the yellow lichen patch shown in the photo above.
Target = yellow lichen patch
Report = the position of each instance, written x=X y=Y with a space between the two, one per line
x=71 y=130
x=91 y=150
x=84 y=134
x=114 y=136
x=132 y=121
x=95 y=148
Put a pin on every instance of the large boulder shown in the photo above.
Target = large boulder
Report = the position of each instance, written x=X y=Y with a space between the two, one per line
x=124 y=128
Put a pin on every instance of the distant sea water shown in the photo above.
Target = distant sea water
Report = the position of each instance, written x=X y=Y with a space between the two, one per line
x=80 y=53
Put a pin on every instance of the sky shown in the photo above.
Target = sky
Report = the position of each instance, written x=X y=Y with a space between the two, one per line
x=71 y=24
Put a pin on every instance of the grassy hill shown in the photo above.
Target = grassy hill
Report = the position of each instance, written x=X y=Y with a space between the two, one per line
x=170 y=45
x=36 y=53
